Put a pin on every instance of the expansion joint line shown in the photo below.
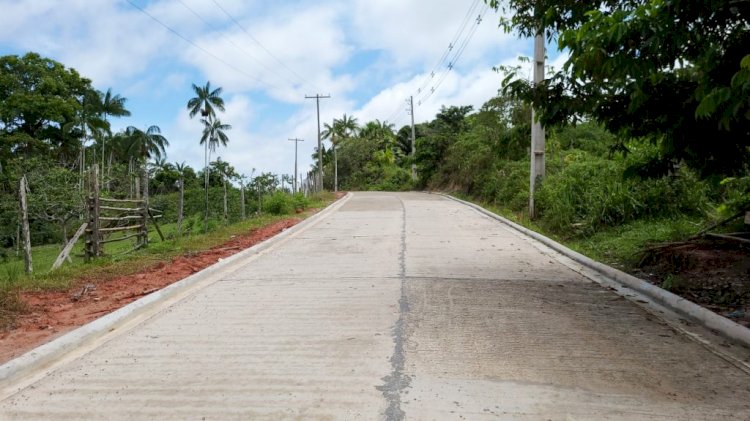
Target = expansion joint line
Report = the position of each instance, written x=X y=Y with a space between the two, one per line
x=397 y=381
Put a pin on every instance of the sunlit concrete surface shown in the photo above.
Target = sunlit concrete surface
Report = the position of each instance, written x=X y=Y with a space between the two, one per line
x=397 y=306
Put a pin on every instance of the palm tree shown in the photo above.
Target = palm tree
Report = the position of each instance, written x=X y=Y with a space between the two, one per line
x=349 y=125
x=331 y=132
x=241 y=178
x=90 y=120
x=111 y=105
x=205 y=100
x=341 y=129
x=142 y=145
x=226 y=171
x=213 y=136
x=180 y=168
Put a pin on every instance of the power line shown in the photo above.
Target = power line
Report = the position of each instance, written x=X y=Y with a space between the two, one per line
x=300 y=78
x=219 y=59
x=399 y=112
x=451 y=45
x=455 y=59
x=238 y=47
x=441 y=76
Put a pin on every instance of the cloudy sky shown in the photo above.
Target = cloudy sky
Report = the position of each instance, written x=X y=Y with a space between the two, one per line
x=368 y=55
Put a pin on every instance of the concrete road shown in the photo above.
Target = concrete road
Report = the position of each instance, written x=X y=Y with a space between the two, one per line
x=396 y=306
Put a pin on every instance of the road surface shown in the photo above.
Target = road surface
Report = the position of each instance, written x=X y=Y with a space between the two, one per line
x=396 y=306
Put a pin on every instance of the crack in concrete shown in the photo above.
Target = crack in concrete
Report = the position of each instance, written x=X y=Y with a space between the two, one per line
x=397 y=380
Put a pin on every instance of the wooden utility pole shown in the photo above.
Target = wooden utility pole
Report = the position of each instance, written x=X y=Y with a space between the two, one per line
x=320 y=149
x=413 y=150
x=26 y=234
x=296 y=141
x=537 y=131
x=242 y=198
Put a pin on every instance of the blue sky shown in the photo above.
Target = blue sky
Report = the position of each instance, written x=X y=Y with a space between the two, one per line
x=369 y=55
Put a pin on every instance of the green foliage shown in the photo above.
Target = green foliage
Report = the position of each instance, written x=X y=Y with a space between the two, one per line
x=736 y=195
x=280 y=203
x=590 y=193
x=507 y=185
x=301 y=202
x=677 y=72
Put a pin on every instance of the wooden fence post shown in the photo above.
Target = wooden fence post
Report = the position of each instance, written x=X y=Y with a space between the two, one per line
x=22 y=187
x=144 y=213
x=93 y=246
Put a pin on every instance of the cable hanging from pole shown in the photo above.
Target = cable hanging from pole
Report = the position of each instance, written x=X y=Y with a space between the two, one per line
x=302 y=80
x=456 y=47
x=198 y=47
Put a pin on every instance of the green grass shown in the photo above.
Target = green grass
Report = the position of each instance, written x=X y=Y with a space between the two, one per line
x=120 y=259
x=619 y=246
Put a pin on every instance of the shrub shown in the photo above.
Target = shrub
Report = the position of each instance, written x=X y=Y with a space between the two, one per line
x=590 y=192
x=279 y=203
x=301 y=202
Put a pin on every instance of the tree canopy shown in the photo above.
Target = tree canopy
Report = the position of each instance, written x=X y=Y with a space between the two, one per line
x=673 y=71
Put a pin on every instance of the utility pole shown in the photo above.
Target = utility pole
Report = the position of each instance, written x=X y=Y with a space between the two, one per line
x=413 y=150
x=537 y=131
x=320 y=149
x=296 y=141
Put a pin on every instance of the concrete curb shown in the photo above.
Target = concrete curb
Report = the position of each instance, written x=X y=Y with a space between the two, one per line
x=686 y=308
x=44 y=356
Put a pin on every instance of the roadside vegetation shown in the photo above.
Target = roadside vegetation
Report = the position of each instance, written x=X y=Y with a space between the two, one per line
x=648 y=142
x=55 y=127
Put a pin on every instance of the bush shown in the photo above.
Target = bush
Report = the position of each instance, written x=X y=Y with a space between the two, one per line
x=392 y=178
x=280 y=203
x=301 y=202
x=590 y=192
x=507 y=185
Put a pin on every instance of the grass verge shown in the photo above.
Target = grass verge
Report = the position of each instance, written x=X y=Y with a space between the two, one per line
x=119 y=259
x=619 y=247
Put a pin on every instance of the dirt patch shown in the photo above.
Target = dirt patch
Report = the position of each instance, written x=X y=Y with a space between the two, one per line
x=53 y=313
x=714 y=273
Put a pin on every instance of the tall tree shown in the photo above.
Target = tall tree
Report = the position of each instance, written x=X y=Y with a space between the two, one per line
x=676 y=72
x=38 y=98
x=142 y=145
x=206 y=101
x=180 y=168
x=226 y=172
x=111 y=105
x=213 y=136
x=91 y=121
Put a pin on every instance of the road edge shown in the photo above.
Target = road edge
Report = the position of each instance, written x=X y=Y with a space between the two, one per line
x=679 y=305
x=46 y=355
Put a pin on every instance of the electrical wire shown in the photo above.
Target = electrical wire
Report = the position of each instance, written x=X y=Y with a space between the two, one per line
x=237 y=46
x=436 y=73
x=455 y=59
x=210 y=54
x=302 y=80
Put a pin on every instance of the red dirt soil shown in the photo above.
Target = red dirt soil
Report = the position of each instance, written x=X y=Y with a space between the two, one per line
x=53 y=313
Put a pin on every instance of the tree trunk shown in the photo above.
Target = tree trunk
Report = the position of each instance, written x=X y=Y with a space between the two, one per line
x=27 y=264
x=137 y=189
x=242 y=200
x=180 y=207
x=226 y=211
x=205 y=217
x=109 y=167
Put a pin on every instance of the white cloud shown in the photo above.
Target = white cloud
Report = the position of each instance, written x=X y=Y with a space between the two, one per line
x=369 y=55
